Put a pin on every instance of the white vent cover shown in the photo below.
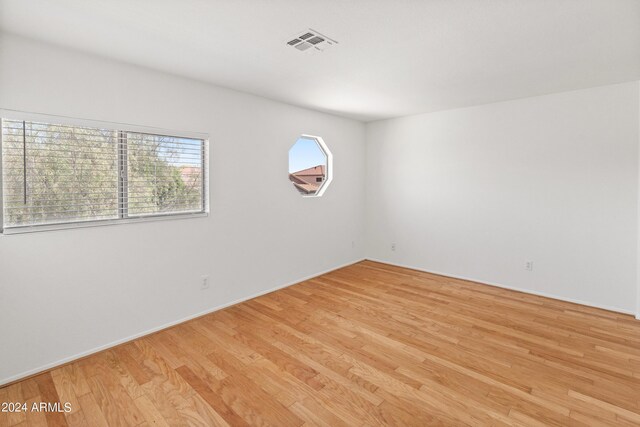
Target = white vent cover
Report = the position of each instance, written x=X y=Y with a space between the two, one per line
x=310 y=41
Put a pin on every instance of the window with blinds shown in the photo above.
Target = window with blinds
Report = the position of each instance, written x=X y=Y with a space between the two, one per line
x=61 y=174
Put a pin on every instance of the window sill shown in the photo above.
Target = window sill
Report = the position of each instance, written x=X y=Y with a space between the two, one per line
x=100 y=223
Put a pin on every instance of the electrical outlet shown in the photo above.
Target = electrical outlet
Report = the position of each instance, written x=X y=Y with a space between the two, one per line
x=204 y=282
x=353 y=243
x=528 y=265
x=393 y=247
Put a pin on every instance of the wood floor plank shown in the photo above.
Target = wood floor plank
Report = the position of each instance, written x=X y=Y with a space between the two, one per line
x=368 y=344
x=92 y=412
x=49 y=395
x=14 y=394
x=35 y=418
x=65 y=390
x=212 y=398
x=4 y=416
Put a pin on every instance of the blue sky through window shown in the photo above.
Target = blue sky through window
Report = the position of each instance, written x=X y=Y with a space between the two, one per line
x=305 y=154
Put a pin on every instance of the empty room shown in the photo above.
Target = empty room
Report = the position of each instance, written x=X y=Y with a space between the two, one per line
x=319 y=213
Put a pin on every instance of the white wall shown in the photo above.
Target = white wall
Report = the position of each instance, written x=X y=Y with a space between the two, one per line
x=475 y=192
x=63 y=293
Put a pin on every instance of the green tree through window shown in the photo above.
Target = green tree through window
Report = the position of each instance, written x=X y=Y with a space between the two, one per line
x=57 y=173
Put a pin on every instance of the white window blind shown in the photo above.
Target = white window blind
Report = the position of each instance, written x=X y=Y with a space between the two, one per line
x=164 y=174
x=61 y=174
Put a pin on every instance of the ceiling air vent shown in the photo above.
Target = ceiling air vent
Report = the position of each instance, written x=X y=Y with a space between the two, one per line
x=315 y=40
x=303 y=46
x=308 y=39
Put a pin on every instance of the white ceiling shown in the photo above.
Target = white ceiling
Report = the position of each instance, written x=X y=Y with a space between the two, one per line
x=394 y=58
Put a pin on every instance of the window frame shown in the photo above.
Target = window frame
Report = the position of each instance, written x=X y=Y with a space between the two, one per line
x=322 y=146
x=120 y=128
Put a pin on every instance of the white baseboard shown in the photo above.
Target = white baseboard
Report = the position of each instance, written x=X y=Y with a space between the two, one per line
x=112 y=344
x=526 y=291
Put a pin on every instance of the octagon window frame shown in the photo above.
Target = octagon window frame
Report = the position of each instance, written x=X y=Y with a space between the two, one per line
x=328 y=168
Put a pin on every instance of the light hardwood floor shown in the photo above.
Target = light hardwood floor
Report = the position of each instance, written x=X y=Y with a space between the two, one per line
x=369 y=344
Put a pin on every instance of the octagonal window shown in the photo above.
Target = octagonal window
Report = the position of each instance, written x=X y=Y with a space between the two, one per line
x=310 y=166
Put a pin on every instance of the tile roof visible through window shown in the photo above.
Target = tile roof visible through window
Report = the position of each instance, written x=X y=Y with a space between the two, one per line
x=306 y=181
